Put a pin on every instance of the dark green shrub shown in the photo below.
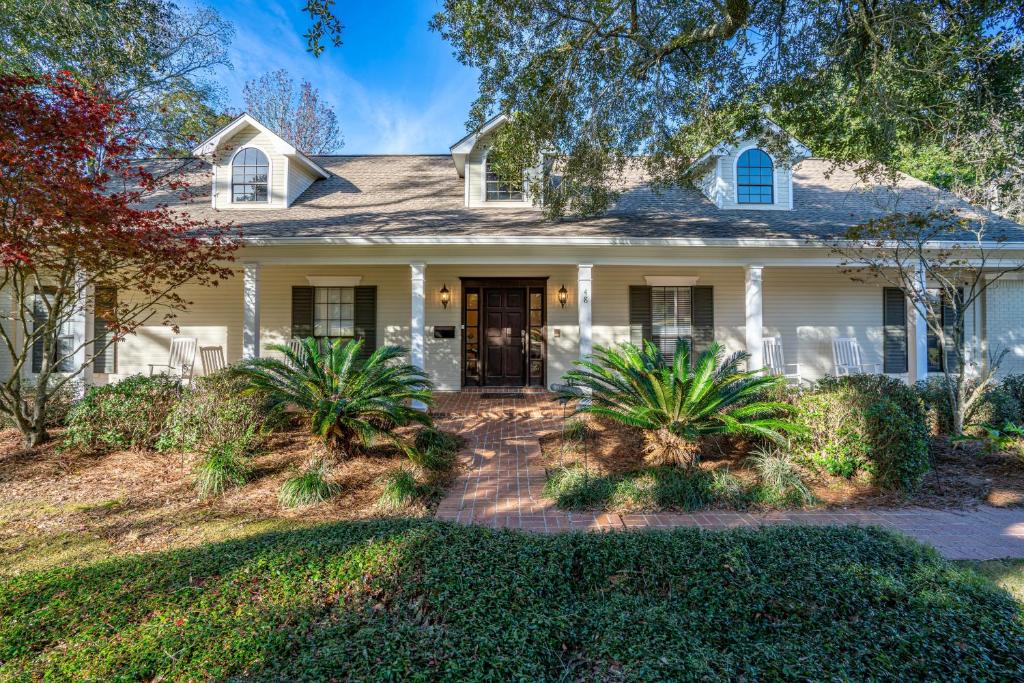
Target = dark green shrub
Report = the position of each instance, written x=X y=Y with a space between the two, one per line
x=997 y=405
x=128 y=414
x=1014 y=386
x=223 y=466
x=434 y=450
x=217 y=410
x=652 y=488
x=865 y=423
x=58 y=408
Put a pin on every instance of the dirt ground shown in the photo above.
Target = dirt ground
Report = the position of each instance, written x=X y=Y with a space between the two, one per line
x=60 y=508
x=960 y=477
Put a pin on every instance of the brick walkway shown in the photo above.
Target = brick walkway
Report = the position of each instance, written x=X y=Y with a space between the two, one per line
x=502 y=485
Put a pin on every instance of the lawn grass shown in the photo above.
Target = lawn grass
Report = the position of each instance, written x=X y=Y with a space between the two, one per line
x=406 y=599
x=1007 y=574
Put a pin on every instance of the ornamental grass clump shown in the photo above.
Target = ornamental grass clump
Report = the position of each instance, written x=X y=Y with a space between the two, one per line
x=309 y=487
x=400 y=490
x=348 y=399
x=225 y=465
x=677 y=404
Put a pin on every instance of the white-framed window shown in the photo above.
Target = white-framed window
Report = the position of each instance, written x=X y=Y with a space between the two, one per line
x=499 y=189
x=334 y=312
x=671 y=318
x=250 y=170
x=755 y=178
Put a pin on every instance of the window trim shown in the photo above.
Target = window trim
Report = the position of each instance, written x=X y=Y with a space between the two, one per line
x=736 y=177
x=231 y=177
x=483 y=186
x=342 y=319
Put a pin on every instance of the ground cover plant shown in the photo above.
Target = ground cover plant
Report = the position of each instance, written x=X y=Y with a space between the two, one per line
x=403 y=599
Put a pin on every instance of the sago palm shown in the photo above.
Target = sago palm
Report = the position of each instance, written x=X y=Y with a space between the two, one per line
x=676 y=405
x=347 y=399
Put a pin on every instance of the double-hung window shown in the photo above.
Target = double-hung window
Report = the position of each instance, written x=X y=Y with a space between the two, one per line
x=671 y=318
x=334 y=312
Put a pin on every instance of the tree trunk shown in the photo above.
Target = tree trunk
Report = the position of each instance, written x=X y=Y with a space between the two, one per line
x=35 y=436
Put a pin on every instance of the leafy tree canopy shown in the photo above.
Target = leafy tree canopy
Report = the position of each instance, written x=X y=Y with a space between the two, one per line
x=152 y=55
x=925 y=86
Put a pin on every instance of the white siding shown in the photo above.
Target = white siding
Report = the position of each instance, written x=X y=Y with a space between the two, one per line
x=1004 y=308
x=247 y=137
x=299 y=179
x=720 y=185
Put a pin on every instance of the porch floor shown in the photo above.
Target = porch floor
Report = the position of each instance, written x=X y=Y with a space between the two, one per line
x=502 y=485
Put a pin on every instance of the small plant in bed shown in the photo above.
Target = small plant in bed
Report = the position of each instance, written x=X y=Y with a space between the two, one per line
x=651 y=488
x=676 y=404
x=781 y=482
x=349 y=398
x=309 y=487
x=434 y=450
x=224 y=465
x=400 y=490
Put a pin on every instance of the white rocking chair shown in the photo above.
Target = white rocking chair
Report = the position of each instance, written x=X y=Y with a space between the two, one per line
x=775 y=363
x=297 y=347
x=847 y=357
x=180 y=360
x=212 y=358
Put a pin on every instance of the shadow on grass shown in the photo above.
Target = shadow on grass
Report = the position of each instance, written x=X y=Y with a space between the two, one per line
x=399 y=598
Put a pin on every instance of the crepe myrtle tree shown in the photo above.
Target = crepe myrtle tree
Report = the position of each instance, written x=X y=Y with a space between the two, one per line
x=939 y=260
x=69 y=230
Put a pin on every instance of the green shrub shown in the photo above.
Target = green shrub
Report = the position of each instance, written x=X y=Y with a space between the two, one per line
x=400 y=490
x=217 y=410
x=652 y=488
x=128 y=414
x=223 y=466
x=58 y=408
x=1014 y=386
x=997 y=405
x=865 y=423
x=676 y=404
x=780 y=480
x=309 y=487
x=434 y=450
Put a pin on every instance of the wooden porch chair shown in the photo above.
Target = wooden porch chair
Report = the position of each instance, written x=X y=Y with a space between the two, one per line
x=296 y=347
x=212 y=358
x=181 y=360
x=775 y=363
x=847 y=357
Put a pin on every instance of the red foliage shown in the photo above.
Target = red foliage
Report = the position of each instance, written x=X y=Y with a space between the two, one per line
x=73 y=198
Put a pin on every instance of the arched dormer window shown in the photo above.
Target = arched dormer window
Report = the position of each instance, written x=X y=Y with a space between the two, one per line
x=755 y=178
x=249 y=172
x=500 y=189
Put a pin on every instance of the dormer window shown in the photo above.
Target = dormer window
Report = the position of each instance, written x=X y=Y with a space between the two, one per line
x=249 y=172
x=755 y=178
x=499 y=189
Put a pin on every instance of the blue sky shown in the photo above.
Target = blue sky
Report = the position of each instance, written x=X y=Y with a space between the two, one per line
x=394 y=84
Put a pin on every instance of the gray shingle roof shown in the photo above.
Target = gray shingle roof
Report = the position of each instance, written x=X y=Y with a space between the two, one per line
x=422 y=196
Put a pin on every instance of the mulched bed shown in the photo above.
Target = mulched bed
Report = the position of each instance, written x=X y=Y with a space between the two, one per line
x=961 y=476
x=137 y=501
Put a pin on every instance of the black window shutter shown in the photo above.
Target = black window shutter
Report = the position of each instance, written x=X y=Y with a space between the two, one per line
x=948 y=328
x=366 y=318
x=38 y=320
x=105 y=357
x=640 y=315
x=702 y=315
x=894 y=327
x=302 y=312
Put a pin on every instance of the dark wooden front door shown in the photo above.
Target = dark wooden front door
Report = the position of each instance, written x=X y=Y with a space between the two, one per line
x=504 y=315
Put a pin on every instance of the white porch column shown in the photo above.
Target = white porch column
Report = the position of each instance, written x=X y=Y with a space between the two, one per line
x=584 y=294
x=917 y=332
x=417 y=320
x=79 y=325
x=755 y=322
x=251 y=311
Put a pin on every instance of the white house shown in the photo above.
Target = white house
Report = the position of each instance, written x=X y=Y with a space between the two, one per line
x=437 y=254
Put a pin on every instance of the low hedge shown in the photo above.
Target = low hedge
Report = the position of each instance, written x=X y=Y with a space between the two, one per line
x=214 y=412
x=869 y=424
x=998 y=405
x=411 y=600
x=128 y=414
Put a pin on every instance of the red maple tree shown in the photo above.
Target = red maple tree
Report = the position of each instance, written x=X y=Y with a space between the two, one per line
x=78 y=217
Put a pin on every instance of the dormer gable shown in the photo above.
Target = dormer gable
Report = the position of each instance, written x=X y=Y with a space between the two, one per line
x=255 y=168
x=748 y=173
x=482 y=187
